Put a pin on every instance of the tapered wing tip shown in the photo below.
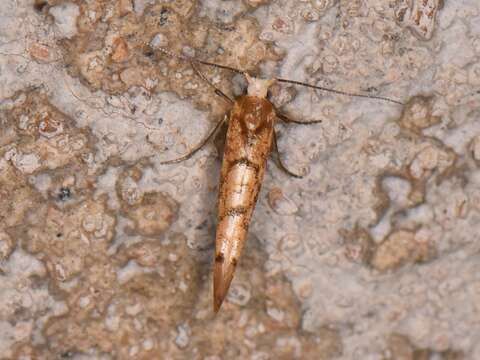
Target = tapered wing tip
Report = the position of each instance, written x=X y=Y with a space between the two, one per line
x=217 y=303
x=222 y=278
x=220 y=289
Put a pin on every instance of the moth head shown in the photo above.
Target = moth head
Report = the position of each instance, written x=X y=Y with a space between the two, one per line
x=258 y=87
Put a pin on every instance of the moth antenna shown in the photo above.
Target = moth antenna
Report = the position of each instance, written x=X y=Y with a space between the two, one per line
x=193 y=60
x=339 y=92
x=294 y=82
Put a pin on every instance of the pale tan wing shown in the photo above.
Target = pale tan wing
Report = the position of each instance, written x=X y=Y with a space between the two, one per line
x=248 y=144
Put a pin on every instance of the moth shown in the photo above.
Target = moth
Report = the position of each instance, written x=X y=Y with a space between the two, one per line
x=249 y=141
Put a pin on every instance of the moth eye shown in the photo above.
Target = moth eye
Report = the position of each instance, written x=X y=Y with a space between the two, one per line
x=239 y=85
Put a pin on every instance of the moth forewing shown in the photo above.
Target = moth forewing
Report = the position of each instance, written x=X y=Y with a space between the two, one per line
x=247 y=146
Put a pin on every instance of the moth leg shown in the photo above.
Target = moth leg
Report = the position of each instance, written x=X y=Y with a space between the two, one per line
x=204 y=78
x=286 y=119
x=220 y=139
x=279 y=160
x=197 y=147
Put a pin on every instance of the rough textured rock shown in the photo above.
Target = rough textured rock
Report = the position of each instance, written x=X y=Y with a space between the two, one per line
x=105 y=253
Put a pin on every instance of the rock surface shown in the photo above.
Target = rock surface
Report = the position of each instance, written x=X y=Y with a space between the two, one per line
x=105 y=253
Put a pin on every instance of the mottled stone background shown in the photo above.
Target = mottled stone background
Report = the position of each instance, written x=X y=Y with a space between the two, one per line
x=106 y=254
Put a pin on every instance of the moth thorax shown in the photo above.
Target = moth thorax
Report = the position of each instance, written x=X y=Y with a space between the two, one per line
x=258 y=87
x=252 y=122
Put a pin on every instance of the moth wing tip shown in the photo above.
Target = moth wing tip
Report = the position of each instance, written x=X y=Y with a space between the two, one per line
x=222 y=278
x=219 y=294
x=217 y=303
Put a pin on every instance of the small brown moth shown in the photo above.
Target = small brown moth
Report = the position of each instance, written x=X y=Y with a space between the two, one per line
x=249 y=141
